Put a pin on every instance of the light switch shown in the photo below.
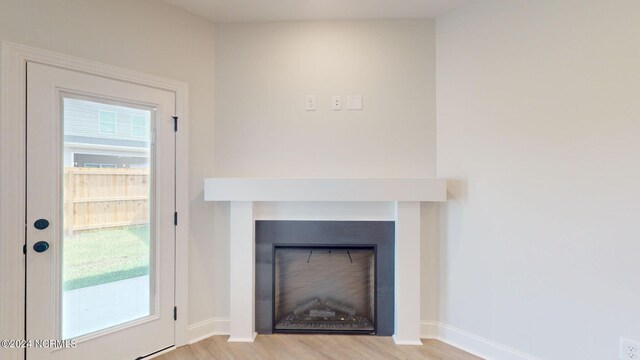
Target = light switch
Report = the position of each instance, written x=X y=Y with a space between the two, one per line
x=354 y=102
x=336 y=103
x=310 y=104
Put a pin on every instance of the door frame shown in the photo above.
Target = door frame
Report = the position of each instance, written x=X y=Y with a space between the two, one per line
x=13 y=183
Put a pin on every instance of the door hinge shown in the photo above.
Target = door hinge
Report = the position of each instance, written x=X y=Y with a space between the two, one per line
x=24 y=249
x=175 y=123
x=175 y=218
x=175 y=313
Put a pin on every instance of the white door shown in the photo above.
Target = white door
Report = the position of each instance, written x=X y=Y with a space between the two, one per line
x=100 y=217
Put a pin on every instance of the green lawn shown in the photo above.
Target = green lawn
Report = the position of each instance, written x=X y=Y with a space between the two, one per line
x=101 y=256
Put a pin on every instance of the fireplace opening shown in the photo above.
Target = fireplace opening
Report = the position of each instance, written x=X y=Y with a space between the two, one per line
x=324 y=289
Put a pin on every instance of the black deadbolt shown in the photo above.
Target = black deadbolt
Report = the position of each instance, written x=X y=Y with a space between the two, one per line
x=41 y=224
x=41 y=246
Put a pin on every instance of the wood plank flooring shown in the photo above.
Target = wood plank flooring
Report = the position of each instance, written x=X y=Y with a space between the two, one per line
x=315 y=347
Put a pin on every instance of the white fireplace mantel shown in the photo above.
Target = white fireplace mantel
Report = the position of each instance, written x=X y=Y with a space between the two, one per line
x=325 y=189
x=405 y=194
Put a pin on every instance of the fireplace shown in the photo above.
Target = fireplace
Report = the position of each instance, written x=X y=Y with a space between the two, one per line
x=324 y=277
x=261 y=211
x=328 y=289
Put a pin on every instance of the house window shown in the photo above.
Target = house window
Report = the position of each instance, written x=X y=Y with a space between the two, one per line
x=101 y=166
x=139 y=126
x=107 y=122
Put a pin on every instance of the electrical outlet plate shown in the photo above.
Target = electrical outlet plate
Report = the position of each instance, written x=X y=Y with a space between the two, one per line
x=310 y=103
x=354 y=102
x=629 y=350
x=336 y=103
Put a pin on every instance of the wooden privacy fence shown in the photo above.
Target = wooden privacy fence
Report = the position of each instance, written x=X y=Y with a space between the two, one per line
x=97 y=198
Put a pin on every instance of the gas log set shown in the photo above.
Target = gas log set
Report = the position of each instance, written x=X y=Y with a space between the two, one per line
x=325 y=315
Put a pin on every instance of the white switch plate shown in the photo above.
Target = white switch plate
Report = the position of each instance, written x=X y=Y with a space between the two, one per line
x=310 y=104
x=336 y=103
x=629 y=350
x=354 y=102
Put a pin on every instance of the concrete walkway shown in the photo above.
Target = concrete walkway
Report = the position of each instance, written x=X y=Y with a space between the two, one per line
x=98 y=307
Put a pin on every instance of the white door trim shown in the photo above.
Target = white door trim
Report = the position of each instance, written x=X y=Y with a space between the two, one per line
x=13 y=182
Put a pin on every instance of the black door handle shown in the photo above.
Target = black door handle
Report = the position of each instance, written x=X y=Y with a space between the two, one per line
x=41 y=224
x=41 y=246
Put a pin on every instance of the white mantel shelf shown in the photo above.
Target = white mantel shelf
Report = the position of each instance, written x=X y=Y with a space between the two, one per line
x=325 y=189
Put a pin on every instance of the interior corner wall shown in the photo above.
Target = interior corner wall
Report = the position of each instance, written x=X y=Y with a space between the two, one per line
x=538 y=116
x=154 y=38
x=264 y=72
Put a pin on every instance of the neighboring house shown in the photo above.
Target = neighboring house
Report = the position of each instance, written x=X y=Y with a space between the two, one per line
x=105 y=136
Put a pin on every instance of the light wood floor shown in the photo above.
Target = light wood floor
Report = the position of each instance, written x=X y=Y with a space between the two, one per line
x=315 y=347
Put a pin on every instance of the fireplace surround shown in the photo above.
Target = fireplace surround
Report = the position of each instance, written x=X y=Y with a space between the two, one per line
x=322 y=237
x=325 y=199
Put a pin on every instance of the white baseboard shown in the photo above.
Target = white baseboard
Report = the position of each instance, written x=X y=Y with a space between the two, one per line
x=406 y=342
x=429 y=330
x=245 y=340
x=204 y=329
x=471 y=343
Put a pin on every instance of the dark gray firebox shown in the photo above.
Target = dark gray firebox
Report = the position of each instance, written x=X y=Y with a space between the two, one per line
x=379 y=234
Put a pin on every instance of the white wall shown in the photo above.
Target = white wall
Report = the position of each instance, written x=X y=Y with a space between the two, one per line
x=263 y=73
x=152 y=37
x=539 y=131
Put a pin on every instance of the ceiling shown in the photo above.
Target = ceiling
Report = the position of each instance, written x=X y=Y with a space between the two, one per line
x=293 y=10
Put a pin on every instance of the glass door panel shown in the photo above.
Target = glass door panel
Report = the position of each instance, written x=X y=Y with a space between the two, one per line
x=107 y=240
